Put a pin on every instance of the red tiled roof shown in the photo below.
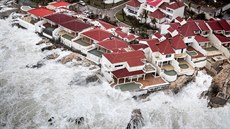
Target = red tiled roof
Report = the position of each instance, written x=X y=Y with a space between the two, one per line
x=113 y=44
x=41 y=12
x=202 y=25
x=97 y=34
x=106 y=25
x=214 y=25
x=188 y=29
x=179 y=19
x=121 y=33
x=222 y=38
x=157 y=14
x=175 y=5
x=134 y=3
x=177 y=42
x=138 y=46
x=200 y=39
x=59 y=18
x=133 y=58
x=175 y=25
x=130 y=37
x=60 y=4
x=170 y=29
x=154 y=2
x=165 y=48
x=157 y=34
x=164 y=5
x=125 y=73
x=75 y=25
x=153 y=44
x=224 y=24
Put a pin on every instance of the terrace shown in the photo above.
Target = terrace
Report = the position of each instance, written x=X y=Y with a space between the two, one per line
x=194 y=53
x=96 y=52
x=132 y=86
x=30 y=19
x=212 y=51
x=82 y=43
x=169 y=70
x=185 y=67
x=149 y=68
x=149 y=82
x=67 y=35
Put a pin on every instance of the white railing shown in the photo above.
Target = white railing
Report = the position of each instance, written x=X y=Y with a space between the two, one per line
x=169 y=78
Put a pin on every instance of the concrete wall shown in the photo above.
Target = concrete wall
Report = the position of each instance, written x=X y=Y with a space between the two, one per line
x=216 y=42
x=26 y=25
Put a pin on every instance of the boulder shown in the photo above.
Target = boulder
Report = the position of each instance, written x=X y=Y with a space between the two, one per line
x=69 y=58
x=136 y=121
x=219 y=91
x=92 y=78
x=39 y=64
x=52 y=56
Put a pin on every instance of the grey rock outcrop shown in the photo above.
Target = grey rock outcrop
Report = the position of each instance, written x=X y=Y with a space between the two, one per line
x=136 y=121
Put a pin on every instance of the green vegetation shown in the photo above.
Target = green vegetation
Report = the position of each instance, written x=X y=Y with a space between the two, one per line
x=136 y=26
x=210 y=3
x=123 y=18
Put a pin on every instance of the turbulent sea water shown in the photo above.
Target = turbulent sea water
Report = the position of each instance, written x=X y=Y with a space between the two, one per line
x=29 y=97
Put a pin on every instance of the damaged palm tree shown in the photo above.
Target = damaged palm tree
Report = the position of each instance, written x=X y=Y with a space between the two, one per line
x=136 y=121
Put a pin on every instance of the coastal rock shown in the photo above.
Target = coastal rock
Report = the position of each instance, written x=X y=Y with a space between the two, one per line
x=48 y=48
x=51 y=121
x=92 y=78
x=69 y=58
x=181 y=81
x=44 y=40
x=136 y=121
x=219 y=91
x=39 y=64
x=52 y=56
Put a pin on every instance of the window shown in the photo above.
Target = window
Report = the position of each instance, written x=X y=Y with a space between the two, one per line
x=189 y=37
x=118 y=65
x=167 y=56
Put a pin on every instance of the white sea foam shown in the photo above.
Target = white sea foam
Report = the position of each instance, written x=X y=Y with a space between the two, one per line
x=29 y=97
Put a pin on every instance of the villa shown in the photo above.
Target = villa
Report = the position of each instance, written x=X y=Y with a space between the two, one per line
x=127 y=59
x=160 y=10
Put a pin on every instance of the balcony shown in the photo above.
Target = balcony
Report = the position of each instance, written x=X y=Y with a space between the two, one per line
x=82 y=43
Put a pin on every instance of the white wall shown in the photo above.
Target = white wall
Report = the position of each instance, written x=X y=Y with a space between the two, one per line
x=189 y=40
x=178 y=12
x=216 y=42
x=26 y=25
x=38 y=27
x=197 y=47
x=164 y=29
